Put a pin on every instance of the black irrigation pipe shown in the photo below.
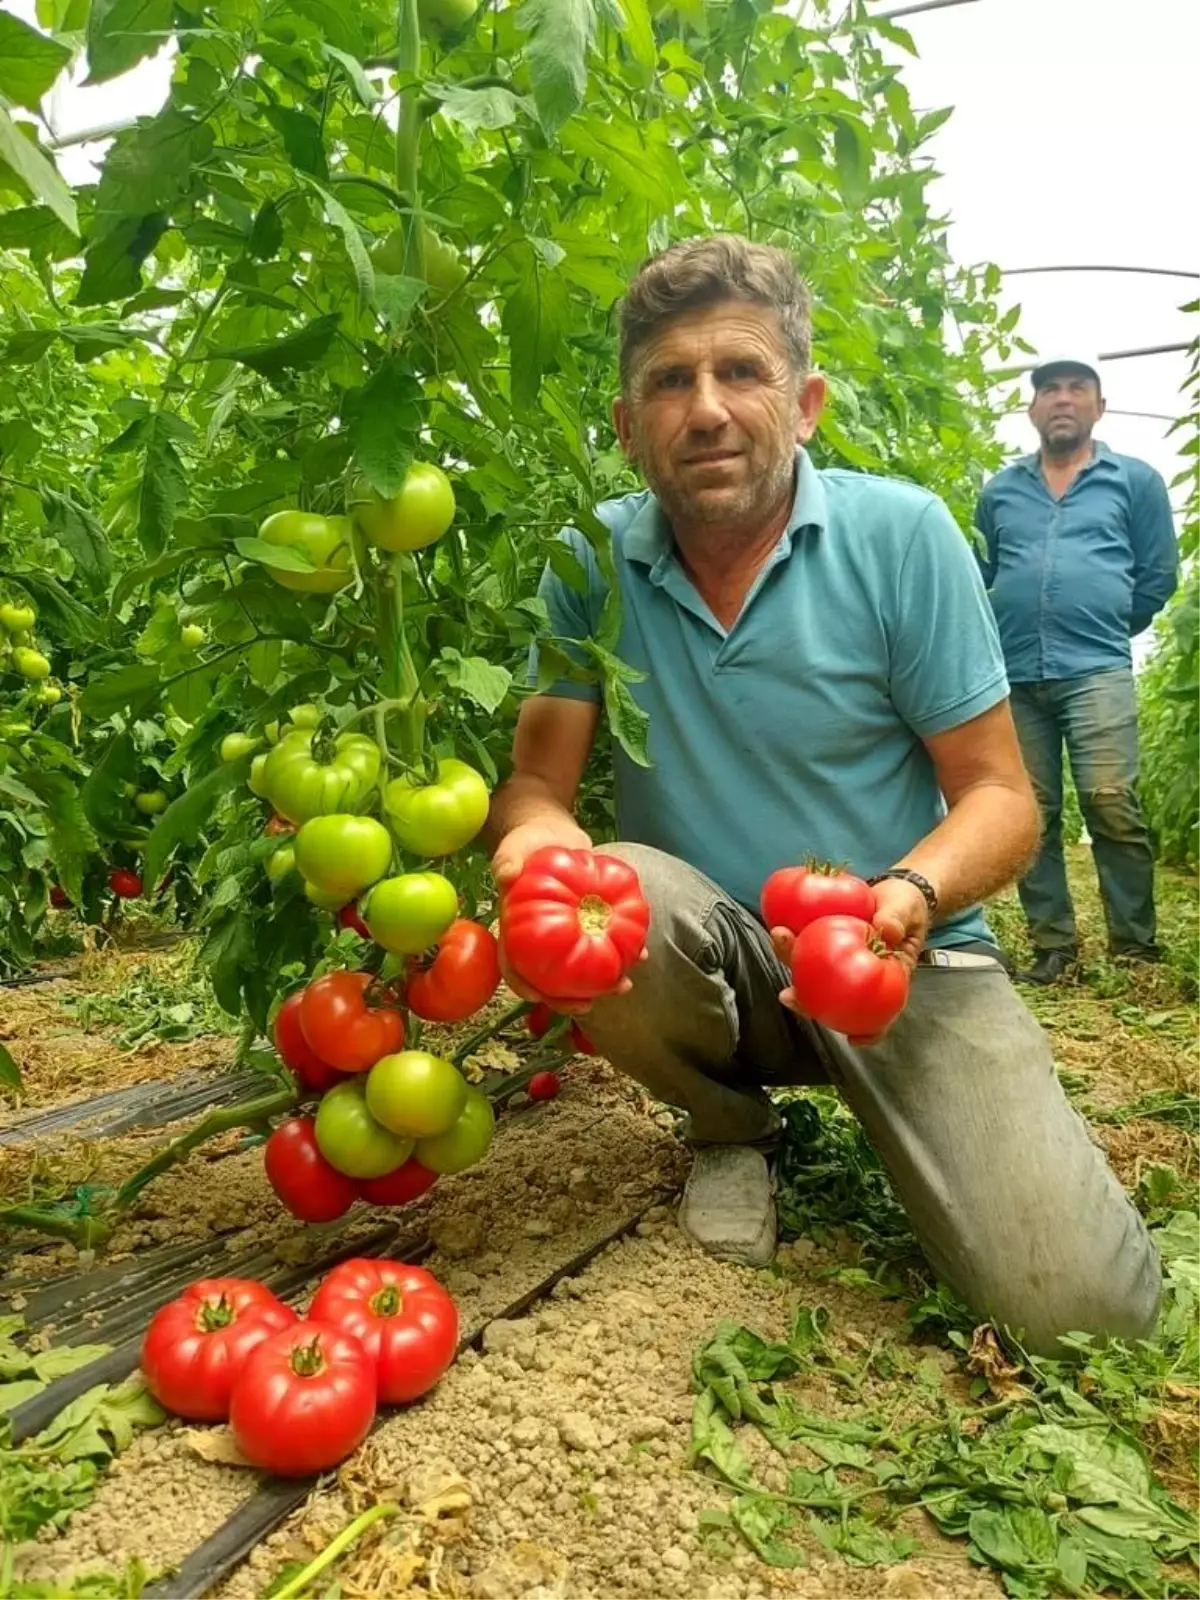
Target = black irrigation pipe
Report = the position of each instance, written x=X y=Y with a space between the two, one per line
x=138 y=1105
x=215 y=1557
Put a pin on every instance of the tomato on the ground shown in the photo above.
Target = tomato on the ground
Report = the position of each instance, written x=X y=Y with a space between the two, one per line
x=466 y=1142
x=544 y=1086
x=398 y=1188
x=416 y=1094
x=463 y=975
x=573 y=923
x=795 y=896
x=310 y=1188
x=846 y=978
x=410 y=912
x=304 y=1401
x=198 y=1343
x=296 y=1051
x=341 y=1025
x=400 y=1314
x=343 y=855
x=351 y=1139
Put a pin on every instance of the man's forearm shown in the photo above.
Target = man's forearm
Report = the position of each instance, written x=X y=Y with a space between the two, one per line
x=987 y=839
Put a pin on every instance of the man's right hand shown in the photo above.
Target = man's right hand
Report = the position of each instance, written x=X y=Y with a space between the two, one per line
x=520 y=842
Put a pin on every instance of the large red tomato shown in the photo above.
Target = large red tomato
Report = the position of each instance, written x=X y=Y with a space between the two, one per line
x=795 y=896
x=197 y=1344
x=304 y=1401
x=343 y=1027
x=463 y=975
x=846 y=978
x=573 y=923
x=401 y=1315
x=398 y=1188
x=296 y=1051
x=309 y=1187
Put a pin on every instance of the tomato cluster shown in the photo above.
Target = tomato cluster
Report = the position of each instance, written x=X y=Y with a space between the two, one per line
x=843 y=975
x=18 y=653
x=300 y=1393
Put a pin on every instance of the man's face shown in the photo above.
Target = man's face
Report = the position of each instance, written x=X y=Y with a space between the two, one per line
x=1065 y=409
x=714 y=415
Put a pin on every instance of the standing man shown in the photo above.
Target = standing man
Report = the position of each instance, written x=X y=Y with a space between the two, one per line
x=1080 y=556
x=822 y=674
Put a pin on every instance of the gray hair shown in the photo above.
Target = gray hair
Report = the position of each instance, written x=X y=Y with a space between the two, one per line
x=705 y=271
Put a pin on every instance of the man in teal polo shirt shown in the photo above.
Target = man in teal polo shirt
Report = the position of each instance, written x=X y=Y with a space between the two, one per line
x=823 y=677
x=1079 y=555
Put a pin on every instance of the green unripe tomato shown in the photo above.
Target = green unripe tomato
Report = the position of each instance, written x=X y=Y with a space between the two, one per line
x=322 y=899
x=436 y=819
x=408 y=913
x=466 y=1142
x=305 y=716
x=151 y=801
x=446 y=16
x=415 y=517
x=343 y=855
x=416 y=1094
x=50 y=694
x=236 y=745
x=281 y=863
x=17 y=619
x=351 y=1140
x=324 y=540
x=256 y=780
x=192 y=636
x=31 y=664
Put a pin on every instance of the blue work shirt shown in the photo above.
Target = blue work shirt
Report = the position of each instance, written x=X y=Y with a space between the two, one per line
x=798 y=730
x=1072 y=580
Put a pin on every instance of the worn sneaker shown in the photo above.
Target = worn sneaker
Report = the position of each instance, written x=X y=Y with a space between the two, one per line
x=1049 y=966
x=728 y=1205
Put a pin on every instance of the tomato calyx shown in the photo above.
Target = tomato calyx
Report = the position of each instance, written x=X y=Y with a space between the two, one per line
x=308 y=1360
x=215 y=1314
x=387 y=1302
x=594 y=914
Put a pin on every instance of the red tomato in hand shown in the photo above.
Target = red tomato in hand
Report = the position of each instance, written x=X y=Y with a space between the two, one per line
x=126 y=885
x=304 y=1401
x=309 y=1187
x=296 y=1051
x=398 y=1188
x=544 y=1086
x=795 y=896
x=401 y=1316
x=343 y=1028
x=463 y=975
x=348 y=917
x=197 y=1344
x=846 y=978
x=573 y=923
x=541 y=1019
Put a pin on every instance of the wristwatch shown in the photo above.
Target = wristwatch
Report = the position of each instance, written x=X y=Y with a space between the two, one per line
x=928 y=892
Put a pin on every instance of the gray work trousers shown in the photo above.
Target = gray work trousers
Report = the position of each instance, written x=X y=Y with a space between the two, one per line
x=1012 y=1202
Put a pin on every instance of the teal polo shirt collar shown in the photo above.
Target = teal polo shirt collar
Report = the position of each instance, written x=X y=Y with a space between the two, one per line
x=649 y=542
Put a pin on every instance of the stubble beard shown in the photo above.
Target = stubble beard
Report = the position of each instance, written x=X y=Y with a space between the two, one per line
x=752 y=504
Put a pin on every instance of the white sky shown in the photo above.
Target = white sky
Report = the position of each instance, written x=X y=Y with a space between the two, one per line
x=1075 y=139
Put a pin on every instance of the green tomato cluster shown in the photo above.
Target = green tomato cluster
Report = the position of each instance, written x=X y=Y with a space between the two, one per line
x=17 y=649
x=410 y=1104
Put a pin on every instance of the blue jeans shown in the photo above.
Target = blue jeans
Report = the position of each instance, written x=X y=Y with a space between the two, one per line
x=1096 y=718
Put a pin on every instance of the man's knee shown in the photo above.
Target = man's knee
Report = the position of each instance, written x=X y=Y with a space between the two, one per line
x=1113 y=811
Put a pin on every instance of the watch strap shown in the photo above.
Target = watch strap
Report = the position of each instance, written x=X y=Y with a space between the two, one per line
x=907 y=875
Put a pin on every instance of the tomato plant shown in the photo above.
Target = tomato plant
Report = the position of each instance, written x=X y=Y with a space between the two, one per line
x=341 y=1024
x=310 y=1188
x=419 y=514
x=198 y=1343
x=343 y=854
x=409 y=913
x=438 y=818
x=846 y=978
x=351 y=1139
x=573 y=923
x=795 y=896
x=402 y=1317
x=463 y=975
x=398 y=1188
x=304 y=1401
x=465 y=1143
x=416 y=1094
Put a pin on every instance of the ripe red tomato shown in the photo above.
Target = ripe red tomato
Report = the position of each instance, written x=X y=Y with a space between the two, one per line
x=304 y=1401
x=846 y=978
x=348 y=917
x=544 y=1086
x=573 y=923
x=795 y=896
x=401 y=1316
x=296 y=1051
x=309 y=1187
x=343 y=1028
x=398 y=1188
x=198 y=1343
x=59 y=898
x=278 y=825
x=463 y=975
x=126 y=885
x=541 y=1019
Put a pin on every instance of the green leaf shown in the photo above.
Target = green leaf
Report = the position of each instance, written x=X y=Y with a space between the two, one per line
x=35 y=172
x=67 y=828
x=385 y=425
x=102 y=795
x=759 y=1522
x=80 y=535
x=152 y=164
x=561 y=34
x=292 y=352
x=364 y=272
x=28 y=346
x=273 y=555
x=650 y=171
x=133 y=687
x=164 y=482
x=493 y=108
x=101 y=1422
x=57 y=1362
x=535 y=319
x=10 y=1073
x=852 y=152
x=639 y=31
x=113 y=260
x=17 y=790
x=38 y=230
x=184 y=818
x=61 y=612
x=123 y=32
x=29 y=62
x=15 y=1394
x=301 y=135
x=355 y=76
x=91 y=339
x=396 y=296
x=481 y=681
x=266 y=235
